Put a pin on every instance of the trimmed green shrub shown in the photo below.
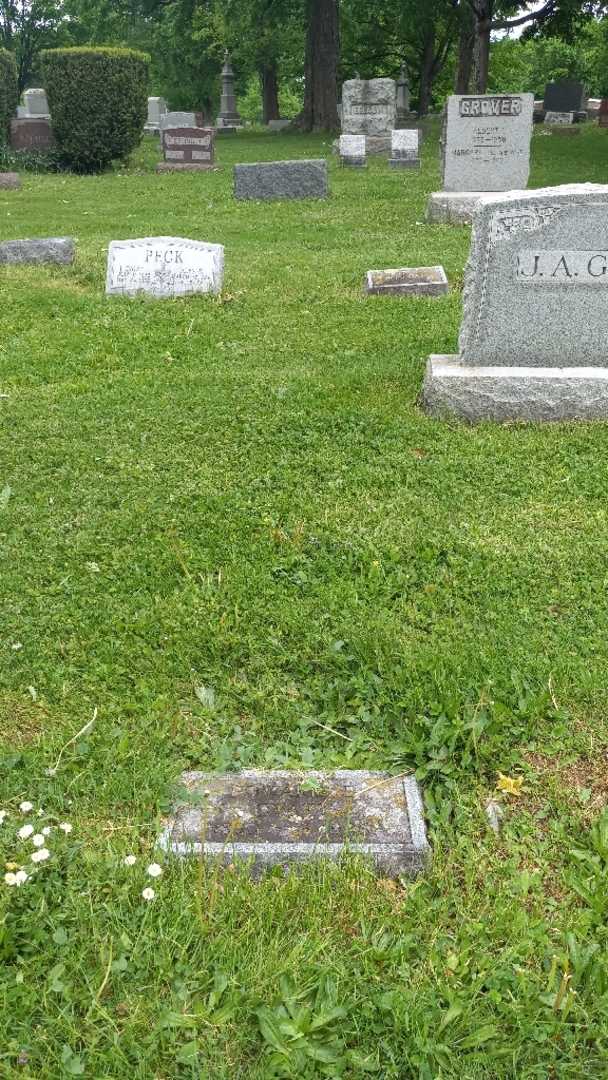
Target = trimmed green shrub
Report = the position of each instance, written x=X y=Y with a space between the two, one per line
x=9 y=94
x=98 y=100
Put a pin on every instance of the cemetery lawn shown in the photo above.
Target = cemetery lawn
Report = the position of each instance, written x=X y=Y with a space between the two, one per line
x=230 y=536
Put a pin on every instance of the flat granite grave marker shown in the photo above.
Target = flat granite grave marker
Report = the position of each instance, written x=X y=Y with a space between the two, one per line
x=282 y=817
x=369 y=108
x=52 y=249
x=534 y=337
x=405 y=148
x=9 y=181
x=485 y=148
x=305 y=179
x=186 y=149
x=352 y=150
x=164 y=266
x=407 y=281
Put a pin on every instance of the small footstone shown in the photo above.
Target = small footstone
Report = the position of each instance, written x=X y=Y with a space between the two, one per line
x=281 y=817
x=10 y=181
x=55 y=249
x=408 y=281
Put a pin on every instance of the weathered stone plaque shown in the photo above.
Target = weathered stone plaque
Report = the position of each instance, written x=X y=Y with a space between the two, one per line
x=9 y=181
x=352 y=150
x=305 y=179
x=279 y=125
x=164 y=266
x=281 y=817
x=32 y=134
x=534 y=336
x=369 y=108
x=408 y=281
x=52 y=249
x=486 y=142
x=405 y=148
x=188 y=146
x=559 y=117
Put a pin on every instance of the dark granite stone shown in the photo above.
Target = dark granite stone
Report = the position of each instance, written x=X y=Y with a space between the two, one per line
x=305 y=179
x=566 y=95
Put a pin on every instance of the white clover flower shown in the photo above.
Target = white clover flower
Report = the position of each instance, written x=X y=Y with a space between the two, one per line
x=25 y=807
x=3 y=814
x=148 y=894
x=38 y=840
x=11 y=879
x=21 y=877
x=130 y=860
x=40 y=855
x=25 y=831
x=41 y=813
x=65 y=827
x=154 y=870
x=47 y=830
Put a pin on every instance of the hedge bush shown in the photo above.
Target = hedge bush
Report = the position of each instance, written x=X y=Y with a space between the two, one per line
x=98 y=100
x=9 y=94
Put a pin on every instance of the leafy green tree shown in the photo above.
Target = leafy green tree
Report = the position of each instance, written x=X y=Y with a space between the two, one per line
x=27 y=27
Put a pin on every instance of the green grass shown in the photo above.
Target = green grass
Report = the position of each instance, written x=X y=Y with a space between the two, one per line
x=241 y=493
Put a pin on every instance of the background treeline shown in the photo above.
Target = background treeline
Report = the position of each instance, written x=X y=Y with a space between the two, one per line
x=291 y=56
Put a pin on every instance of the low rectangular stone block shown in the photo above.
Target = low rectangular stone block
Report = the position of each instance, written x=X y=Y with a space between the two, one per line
x=552 y=117
x=54 y=249
x=10 y=180
x=305 y=179
x=408 y=281
x=474 y=393
x=269 y=818
x=452 y=207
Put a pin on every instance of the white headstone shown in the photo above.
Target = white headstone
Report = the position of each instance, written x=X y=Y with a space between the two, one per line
x=164 y=266
x=181 y=120
x=157 y=107
x=552 y=117
x=405 y=141
x=486 y=142
x=35 y=103
x=352 y=149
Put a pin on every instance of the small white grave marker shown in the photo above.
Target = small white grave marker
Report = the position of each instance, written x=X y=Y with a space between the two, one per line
x=164 y=266
x=405 y=143
x=352 y=150
x=552 y=117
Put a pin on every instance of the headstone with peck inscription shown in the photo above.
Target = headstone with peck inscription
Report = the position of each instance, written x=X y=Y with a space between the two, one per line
x=534 y=334
x=164 y=266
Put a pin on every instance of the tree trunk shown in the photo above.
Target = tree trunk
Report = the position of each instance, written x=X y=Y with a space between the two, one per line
x=484 y=10
x=466 y=45
x=321 y=66
x=270 y=92
x=427 y=73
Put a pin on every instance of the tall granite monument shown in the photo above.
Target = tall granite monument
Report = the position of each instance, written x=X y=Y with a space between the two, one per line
x=534 y=337
x=369 y=108
x=228 y=117
x=485 y=147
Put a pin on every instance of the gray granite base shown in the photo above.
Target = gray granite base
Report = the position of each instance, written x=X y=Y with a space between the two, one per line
x=452 y=207
x=472 y=393
x=300 y=179
x=54 y=249
x=404 y=163
x=283 y=817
